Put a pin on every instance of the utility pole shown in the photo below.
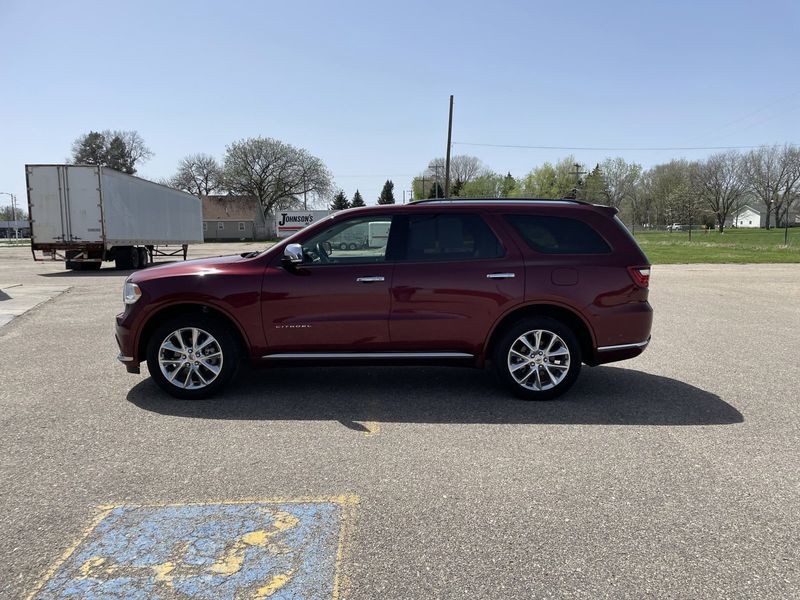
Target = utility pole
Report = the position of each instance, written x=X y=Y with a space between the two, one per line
x=577 y=174
x=436 y=168
x=13 y=212
x=449 y=143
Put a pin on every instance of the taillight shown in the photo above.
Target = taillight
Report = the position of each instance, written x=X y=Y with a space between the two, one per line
x=640 y=275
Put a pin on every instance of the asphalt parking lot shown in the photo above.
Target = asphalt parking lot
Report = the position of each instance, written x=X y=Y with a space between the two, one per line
x=674 y=475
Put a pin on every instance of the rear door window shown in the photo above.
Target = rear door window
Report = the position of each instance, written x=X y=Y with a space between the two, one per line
x=437 y=237
x=558 y=235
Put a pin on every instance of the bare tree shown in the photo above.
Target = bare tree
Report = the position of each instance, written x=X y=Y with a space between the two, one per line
x=765 y=172
x=790 y=186
x=668 y=189
x=719 y=182
x=621 y=178
x=463 y=169
x=276 y=173
x=135 y=149
x=198 y=174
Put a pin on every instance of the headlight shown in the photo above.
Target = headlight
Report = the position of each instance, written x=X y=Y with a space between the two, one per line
x=130 y=293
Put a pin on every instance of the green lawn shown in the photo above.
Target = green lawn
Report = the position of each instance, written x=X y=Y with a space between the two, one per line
x=732 y=246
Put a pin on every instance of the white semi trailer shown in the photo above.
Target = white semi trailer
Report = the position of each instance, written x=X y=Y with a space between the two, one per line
x=86 y=214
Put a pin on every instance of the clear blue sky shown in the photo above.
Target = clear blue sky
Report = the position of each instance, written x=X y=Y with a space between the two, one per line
x=365 y=85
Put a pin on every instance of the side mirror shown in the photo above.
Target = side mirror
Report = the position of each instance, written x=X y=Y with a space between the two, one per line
x=293 y=253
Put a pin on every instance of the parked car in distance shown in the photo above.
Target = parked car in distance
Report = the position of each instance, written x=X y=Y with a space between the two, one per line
x=533 y=287
x=675 y=227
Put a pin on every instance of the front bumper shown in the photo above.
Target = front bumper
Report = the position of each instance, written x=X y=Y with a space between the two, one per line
x=125 y=342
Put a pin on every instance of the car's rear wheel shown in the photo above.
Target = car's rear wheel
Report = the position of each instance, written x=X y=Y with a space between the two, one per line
x=192 y=357
x=537 y=358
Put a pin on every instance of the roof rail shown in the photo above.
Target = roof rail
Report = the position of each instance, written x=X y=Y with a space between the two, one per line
x=513 y=199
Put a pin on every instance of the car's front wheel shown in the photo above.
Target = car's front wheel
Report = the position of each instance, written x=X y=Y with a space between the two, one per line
x=538 y=358
x=192 y=357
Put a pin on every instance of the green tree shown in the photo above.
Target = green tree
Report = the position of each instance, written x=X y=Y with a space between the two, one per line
x=488 y=185
x=117 y=156
x=357 y=200
x=551 y=180
x=436 y=190
x=420 y=186
x=90 y=149
x=595 y=188
x=7 y=214
x=120 y=150
x=340 y=201
x=387 y=193
x=509 y=186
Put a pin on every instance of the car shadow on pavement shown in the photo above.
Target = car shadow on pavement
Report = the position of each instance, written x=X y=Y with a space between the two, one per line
x=601 y=396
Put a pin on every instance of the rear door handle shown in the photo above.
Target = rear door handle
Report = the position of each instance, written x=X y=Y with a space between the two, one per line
x=371 y=279
x=500 y=276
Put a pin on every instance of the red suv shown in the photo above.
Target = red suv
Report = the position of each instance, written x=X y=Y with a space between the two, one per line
x=536 y=287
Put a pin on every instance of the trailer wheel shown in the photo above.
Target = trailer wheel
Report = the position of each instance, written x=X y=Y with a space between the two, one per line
x=143 y=256
x=126 y=257
x=342 y=246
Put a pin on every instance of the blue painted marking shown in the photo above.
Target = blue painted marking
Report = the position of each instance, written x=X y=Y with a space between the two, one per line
x=214 y=551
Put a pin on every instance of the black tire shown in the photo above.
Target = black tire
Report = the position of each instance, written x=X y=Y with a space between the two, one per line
x=353 y=246
x=342 y=246
x=92 y=266
x=143 y=257
x=551 y=329
x=126 y=257
x=227 y=344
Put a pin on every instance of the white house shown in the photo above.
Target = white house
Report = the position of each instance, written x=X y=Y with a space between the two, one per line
x=747 y=217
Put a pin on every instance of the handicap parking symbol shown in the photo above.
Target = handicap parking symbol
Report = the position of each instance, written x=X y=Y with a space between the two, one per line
x=229 y=550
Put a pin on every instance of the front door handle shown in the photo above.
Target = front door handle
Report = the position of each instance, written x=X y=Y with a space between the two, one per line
x=500 y=276
x=372 y=279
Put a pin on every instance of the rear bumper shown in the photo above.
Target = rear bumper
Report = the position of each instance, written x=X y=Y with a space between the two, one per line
x=607 y=354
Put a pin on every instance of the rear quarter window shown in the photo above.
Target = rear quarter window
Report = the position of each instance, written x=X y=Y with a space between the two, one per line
x=558 y=235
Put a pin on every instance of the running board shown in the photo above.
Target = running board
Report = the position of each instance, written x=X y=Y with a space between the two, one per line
x=363 y=355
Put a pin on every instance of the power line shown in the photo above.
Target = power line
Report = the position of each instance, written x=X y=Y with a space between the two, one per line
x=715 y=131
x=642 y=148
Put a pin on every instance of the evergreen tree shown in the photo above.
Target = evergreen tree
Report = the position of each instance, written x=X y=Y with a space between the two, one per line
x=340 y=201
x=595 y=187
x=437 y=191
x=387 y=193
x=90 y=149
x=509 y=186
x=357 y=200
x=117 y=156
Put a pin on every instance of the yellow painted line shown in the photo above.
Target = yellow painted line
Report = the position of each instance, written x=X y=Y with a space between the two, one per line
x=102 y=514
x=341 y=581
x=373 y=428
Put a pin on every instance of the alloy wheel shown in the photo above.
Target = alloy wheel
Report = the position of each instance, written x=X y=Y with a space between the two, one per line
x=538 y=360
x=190 y=358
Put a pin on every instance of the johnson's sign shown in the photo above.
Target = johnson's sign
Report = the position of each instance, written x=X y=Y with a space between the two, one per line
x=289 y=221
